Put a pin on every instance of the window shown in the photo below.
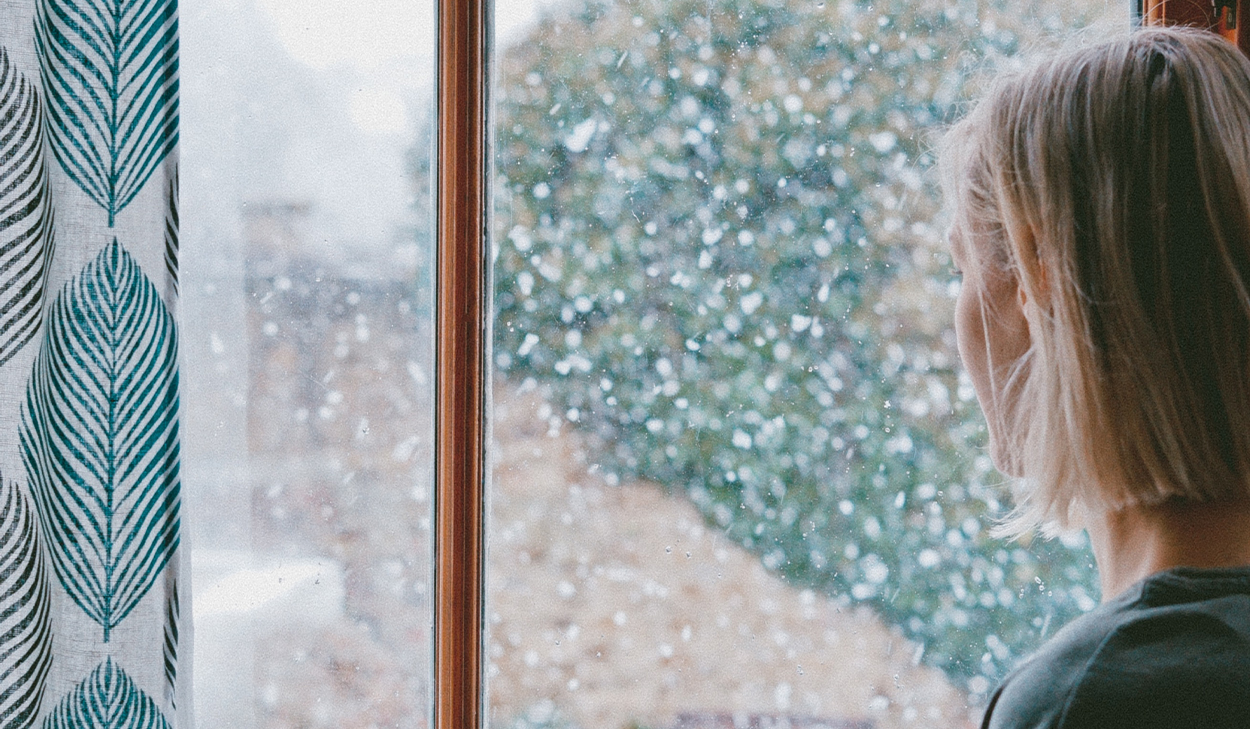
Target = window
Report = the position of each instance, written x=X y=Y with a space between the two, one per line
x=735 y=473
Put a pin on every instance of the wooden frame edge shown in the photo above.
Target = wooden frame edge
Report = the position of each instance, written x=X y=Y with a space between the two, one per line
x=1227 y=18
x=461 y=360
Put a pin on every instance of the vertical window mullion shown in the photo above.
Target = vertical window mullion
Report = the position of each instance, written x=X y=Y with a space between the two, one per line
x=461 y=346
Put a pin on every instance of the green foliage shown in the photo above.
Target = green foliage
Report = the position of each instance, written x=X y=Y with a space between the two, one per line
x=718 y=251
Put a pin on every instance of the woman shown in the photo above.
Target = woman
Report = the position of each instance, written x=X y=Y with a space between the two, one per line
x=1102 y=222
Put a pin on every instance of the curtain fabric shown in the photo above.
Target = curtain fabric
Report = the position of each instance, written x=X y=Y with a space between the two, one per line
x=91 y=576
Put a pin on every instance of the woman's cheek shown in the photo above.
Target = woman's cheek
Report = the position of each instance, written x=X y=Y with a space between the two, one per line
x=970 y=335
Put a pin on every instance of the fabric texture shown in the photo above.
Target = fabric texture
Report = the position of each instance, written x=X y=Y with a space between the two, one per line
x=91 y=560
x=1172 y=651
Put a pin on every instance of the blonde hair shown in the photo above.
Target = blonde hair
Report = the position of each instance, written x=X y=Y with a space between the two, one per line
x=1113 y=181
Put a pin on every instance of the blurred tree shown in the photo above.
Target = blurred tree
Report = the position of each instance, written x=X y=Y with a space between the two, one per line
x=718 y=252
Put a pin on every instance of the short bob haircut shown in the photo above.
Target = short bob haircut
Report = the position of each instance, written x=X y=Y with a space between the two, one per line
x=1113 y=182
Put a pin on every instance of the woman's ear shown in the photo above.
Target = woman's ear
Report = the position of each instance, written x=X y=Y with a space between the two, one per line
x=1038 y=298
x=1031 y=271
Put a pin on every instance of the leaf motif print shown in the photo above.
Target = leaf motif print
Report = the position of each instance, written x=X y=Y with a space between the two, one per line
x=99 y=436
x=25 y=612
x=26 y=238
x=110 y=75
x=172 y=616
x=106 y=699
x=171 y=233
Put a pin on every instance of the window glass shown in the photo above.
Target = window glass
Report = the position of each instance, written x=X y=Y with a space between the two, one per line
x=307 y=359
x=739 y=476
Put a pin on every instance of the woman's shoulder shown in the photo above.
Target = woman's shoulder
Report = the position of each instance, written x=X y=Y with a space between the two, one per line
x=1172 y=652
x=1036 y=693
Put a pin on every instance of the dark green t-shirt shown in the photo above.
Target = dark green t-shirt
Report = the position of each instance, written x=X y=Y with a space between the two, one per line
x=1172 y=652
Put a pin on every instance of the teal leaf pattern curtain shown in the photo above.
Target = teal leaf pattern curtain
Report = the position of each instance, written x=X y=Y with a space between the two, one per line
x=25 y=211
x=107 y=699
x=91 y=553
x=100 y=437
x=111 y=77
x=25 y=620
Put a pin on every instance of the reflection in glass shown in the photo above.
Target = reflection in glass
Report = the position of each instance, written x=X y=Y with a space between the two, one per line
x=739 y=474
x=307 y=367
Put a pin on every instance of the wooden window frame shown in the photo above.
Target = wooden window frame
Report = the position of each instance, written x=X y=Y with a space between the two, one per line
x=1228 y=18
x=461 y=357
